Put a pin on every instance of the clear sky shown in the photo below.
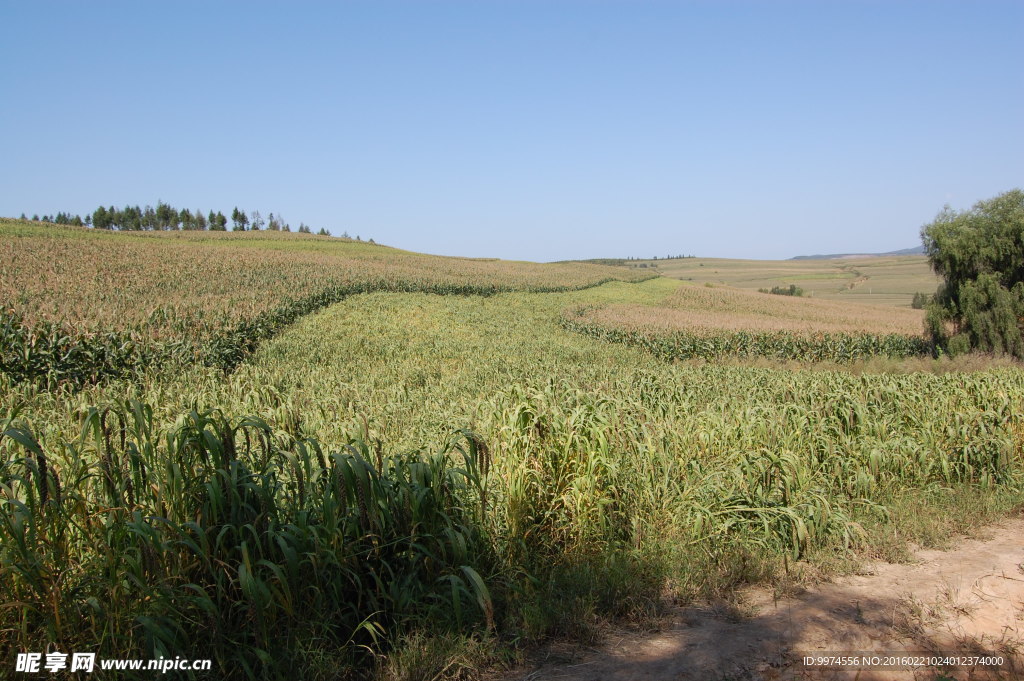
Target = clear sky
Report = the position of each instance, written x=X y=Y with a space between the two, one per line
x=527 y=130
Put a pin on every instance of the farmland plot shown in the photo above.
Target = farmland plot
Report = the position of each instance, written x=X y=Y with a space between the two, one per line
x=466 y=466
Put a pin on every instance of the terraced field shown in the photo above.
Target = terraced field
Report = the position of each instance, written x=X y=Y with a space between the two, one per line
x=711 y=322
x=709 y=310
x=886 y=280
x=418 y=483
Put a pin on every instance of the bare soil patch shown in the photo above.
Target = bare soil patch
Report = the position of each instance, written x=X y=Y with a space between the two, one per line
x=967 y=601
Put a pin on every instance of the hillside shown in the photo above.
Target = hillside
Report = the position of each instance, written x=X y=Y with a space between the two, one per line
x=889 y=280
x=80 y=304
x=96 y=279
x=320 y=459
x=714 y=309
x=913 y=250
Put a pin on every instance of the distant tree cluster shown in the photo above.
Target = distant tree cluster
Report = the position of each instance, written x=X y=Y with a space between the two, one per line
x=667 y=257
x=165 y=217
x=791 y=290
x=920 y=301
x=61 y=219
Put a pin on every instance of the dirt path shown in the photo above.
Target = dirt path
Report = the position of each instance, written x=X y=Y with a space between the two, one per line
x=966 y=600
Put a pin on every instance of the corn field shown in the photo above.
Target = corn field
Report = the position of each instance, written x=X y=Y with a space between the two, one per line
x=782 y=345
x=89 y=305
x=716 y=309
x=709 y=323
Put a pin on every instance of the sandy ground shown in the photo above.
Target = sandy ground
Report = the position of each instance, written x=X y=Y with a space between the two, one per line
x=966 y=601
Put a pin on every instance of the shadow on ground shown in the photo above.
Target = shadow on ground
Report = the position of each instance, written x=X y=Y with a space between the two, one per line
x=967 y=602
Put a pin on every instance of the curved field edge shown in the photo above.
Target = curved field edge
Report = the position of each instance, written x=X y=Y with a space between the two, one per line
x=83 y=306
x=780 y=345
x=711 y=322
x=464 y=467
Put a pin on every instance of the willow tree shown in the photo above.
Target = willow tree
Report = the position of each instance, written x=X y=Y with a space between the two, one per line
x=980 y=255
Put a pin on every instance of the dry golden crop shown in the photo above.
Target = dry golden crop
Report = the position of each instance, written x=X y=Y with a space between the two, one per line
x=706 y=310
x=171 y=283
x=78 y=306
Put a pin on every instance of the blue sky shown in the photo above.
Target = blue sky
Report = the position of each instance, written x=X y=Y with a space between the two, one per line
x=526 y=130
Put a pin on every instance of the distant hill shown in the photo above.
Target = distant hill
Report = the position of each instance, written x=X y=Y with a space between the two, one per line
x=916 y=250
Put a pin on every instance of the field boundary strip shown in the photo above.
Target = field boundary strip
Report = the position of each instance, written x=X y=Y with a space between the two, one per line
x=784 y=345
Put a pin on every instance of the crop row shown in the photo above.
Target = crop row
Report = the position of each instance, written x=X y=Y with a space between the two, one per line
x=782 y=345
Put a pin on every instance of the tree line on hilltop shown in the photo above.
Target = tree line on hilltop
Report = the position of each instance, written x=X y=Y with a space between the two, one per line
x=165 y=217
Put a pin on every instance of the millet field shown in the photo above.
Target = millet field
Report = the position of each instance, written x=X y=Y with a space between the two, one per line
x=305 y=457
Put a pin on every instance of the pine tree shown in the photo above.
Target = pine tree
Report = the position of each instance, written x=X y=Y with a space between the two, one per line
x=240 y=220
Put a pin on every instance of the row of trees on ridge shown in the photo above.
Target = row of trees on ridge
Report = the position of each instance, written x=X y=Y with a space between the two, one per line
x=166 y=217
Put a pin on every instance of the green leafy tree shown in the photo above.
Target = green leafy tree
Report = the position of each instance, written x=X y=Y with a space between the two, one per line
x=149 y=218
x=200 y=220
x=166 y=216
x=214 y=220
x=240 y=220
x=980 y=255
x=131 y=218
